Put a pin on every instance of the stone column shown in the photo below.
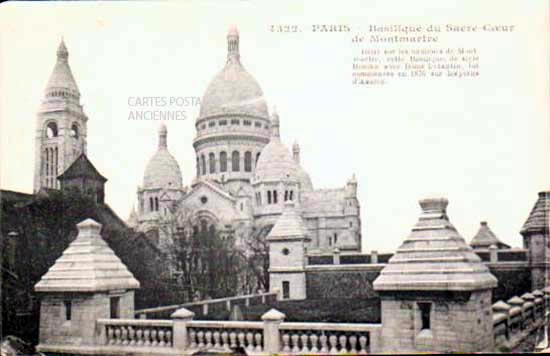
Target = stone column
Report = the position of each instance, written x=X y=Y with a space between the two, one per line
x=272 y=340
x=181 y=318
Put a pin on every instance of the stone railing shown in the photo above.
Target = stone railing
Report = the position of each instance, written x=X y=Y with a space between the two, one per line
x=131 y=335
x=519 y=318
x=206 y=306
x=225 y=335
x=183 y=335
x=325 y=338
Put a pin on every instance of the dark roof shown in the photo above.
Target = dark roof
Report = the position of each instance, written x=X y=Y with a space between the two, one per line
x=538 y=218
x=10 y=195
x=82 y=167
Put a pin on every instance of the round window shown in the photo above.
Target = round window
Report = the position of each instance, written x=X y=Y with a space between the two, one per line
x=286 y=251
x=204 y=199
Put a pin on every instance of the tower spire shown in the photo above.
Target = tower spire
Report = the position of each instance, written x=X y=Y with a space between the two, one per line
x=62 y=52
x=163 y=137
x=275 y=124
x=233 y=55
x=296 y=152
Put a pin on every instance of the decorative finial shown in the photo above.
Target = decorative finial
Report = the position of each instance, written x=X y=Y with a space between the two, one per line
x=163 y=136
x=275 y=123
x=62 y=52
x=296 y=152
x=233 y=55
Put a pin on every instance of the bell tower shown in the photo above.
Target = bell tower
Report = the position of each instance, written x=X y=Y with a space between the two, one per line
x=60 y=126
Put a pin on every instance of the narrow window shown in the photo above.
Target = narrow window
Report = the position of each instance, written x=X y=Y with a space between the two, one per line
x=68 y=309
x=115 y=307
x=286 y=195
x=223 y=162
x=257 y=158
x=425 y=309
x=269 y=196
x=156 y=204
x=203 y=164
x=248 y=162
x=212 y=162
x=335 y=238
x=151 y=204
x=235 y=158
x=286 y=289
x=350 y=224
x=330 y=241
x=291 y=193
x=274 y=197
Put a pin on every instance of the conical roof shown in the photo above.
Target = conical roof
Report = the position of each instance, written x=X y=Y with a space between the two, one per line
x=290 y=225
x=537 y=222
x=82 y=167
x=87 y=265
x=485 y=237
x=434 y=257
x=62 y=76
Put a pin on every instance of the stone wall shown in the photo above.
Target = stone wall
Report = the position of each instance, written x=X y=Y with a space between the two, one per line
x=341 y=281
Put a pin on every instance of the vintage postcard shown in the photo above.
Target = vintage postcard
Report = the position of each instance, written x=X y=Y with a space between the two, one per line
x=290 y=177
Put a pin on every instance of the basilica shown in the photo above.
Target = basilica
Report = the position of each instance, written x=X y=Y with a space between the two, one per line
x=244 y=174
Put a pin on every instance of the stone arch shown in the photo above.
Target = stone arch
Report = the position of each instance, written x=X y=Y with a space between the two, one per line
x=223 y=161
x=51 y=129
x=248 y=161
x=75 y=130
x=212 y=162
x=235 y=161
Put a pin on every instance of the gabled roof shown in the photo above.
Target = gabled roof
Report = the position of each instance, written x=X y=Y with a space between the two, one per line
x=87 y=265
x=485 y=237
x=434 y=257
x=290 y=225
x=82 y=167
x=539 y=216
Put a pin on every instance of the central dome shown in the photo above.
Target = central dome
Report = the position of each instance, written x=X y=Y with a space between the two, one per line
x=233 y=90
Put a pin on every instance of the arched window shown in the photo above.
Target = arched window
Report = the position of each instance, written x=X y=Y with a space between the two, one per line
x=212 y=162
x=291 y=193
x=74 y=130
x=198 y=167
x=203 y=165
x=257 y=158
x=274 y=197
x=223 y=162
x=156 y=204
x=269 y=196
x=248 y=161
x=151 y=204
x=51 y=130
x=286 y=195
x=235 y=158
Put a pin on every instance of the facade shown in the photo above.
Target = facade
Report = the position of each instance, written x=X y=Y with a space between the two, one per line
x=245 y=174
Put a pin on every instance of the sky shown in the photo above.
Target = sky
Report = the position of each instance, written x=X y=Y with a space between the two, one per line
x=481 y=142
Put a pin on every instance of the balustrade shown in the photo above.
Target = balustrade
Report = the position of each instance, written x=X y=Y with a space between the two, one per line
x=137 y=333
x=225 y=336
x=323 y=338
